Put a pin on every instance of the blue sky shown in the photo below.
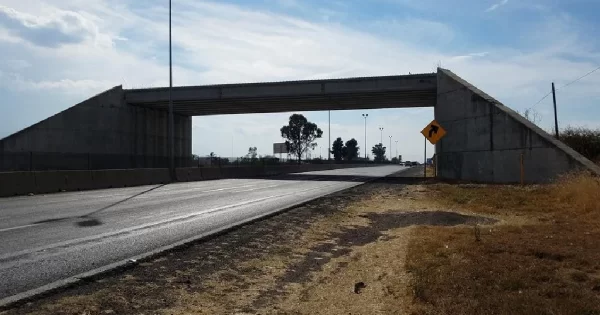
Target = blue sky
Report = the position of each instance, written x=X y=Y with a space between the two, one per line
x=57 y=53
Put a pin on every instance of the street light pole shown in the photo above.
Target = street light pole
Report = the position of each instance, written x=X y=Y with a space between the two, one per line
x=396 y=148
x=381 y=140
x=365 y=117
x=171 y=124
x=390 y=147
x=329 y=132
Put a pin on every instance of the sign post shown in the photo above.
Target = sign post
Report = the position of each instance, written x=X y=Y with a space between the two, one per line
x=425 y=158
x=432 y=132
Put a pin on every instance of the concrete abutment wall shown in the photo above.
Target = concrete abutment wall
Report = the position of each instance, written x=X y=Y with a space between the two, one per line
x=102 y=132
x=485 y=140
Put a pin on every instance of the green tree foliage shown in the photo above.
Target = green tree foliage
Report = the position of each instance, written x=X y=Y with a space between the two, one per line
x=300 y=135
x=337 y=149
x=583 y=140
x=351 y=149
x=379 y=152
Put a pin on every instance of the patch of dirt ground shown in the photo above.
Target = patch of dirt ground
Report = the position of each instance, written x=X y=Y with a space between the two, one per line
x=392 y=246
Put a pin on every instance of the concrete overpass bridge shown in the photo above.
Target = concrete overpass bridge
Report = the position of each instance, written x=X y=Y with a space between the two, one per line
x=122 y=128
x=418 y=90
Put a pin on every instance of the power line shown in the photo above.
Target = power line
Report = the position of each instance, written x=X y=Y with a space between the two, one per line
x=543 y=98
x=581 y=77
x=564 y=86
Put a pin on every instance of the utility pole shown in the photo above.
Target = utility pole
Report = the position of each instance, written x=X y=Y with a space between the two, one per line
x=171 y=124
x=329 y=132
x=381 y=140
x=555 y=115
x=365 y=117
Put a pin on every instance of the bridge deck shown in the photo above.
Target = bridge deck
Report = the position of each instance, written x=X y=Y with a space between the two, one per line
x=416 y=90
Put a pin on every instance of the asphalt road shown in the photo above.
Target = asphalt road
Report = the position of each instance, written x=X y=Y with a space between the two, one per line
x=48 y=240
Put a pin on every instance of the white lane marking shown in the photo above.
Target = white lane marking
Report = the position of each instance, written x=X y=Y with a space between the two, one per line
x=172 y=220
x=251 y=189
x=96 y=238
x=93 y=238
x=19 y=227
x=199 y=192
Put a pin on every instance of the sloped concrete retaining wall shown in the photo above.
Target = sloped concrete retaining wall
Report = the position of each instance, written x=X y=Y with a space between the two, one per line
x=486 y=140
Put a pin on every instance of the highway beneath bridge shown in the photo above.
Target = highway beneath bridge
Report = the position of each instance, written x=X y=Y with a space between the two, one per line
x=51 y=240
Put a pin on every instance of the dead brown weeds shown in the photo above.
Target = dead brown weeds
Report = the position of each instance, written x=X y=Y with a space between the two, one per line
x=548 y=265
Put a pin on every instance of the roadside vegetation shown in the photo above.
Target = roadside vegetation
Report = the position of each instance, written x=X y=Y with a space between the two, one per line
x=586 y=141
x=542 y=258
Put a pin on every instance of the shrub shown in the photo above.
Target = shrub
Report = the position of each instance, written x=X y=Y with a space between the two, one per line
x=586 y=141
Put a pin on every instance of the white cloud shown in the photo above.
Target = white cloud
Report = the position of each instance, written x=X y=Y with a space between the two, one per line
x=224 y=43
x=496 y=6
x=15 y=64
x=81 y=88
x=424 y=32
x=469 y=56
x=289 y=3
x=59 y=28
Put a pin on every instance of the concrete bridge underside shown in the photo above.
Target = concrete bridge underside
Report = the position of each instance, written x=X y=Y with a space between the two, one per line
x=417 y=90
x=128 y=128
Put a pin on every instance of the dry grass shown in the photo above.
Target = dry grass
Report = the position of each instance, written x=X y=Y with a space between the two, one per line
x=430 y=171
x=305 y=261
x=543 y=259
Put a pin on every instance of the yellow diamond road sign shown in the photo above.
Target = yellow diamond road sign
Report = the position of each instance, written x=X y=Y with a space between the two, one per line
x=433 y=132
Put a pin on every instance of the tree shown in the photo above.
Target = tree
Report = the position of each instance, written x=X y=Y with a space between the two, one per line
x=351 y=149
x=252 y=153
x=379 y=152
x=337 y=149
x=300 y=135
x=212 y=157
x=395 y=160
x=251 y=156
x=532 y=115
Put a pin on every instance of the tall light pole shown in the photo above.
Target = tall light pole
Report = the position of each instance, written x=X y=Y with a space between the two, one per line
x=381 y=140
x=390 y=147
x=171 y=124
x=365 y=117
x=396 y=148
x=329 y=132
